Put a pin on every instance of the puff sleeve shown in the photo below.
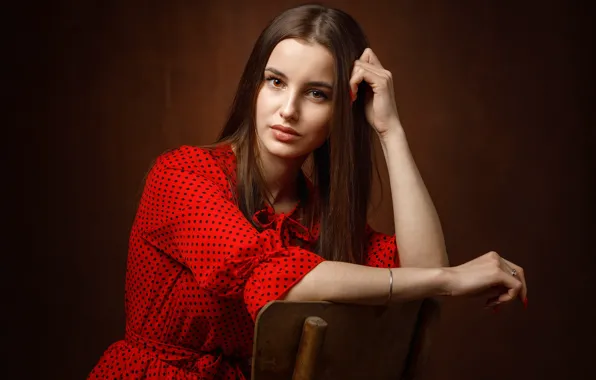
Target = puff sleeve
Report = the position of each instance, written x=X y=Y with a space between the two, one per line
x=189 y=216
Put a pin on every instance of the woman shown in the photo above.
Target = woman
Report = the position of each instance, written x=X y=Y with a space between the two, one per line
x=221 y=231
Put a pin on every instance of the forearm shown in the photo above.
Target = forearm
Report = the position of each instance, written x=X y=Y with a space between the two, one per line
x=359 y=284
x=417 y=227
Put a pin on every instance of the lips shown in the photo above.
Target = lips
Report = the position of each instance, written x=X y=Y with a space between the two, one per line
x=287 y=130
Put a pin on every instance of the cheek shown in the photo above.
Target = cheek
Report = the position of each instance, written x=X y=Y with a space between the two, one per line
x=263 y=104
x=319 y=120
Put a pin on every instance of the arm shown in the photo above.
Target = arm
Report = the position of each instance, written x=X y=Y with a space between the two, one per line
x=188 y=217
x=417 y=226
x=359 y=284
x=349 y=283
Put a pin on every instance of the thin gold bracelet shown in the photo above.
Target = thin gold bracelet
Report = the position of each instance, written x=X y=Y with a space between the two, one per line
x=390 y=286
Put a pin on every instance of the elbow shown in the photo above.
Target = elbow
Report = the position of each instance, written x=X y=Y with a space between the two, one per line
x=300 y=293
x=444 y=258
x=295 y=294
x=306 y=289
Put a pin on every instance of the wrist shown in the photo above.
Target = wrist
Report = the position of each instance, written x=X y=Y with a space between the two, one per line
x=393 y=141
x=392 y=132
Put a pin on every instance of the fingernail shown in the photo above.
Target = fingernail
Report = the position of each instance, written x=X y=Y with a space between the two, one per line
x=494 y=306
x=526 y=303
x=352 y=96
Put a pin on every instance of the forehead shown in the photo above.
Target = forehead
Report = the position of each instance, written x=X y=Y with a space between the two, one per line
x=302 y=60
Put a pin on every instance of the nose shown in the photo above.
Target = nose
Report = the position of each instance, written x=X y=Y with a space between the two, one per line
x=289 y=108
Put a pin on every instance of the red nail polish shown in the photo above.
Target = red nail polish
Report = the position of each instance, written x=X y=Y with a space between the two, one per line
x=495 y=309
x=351 y=96
x=526 y=303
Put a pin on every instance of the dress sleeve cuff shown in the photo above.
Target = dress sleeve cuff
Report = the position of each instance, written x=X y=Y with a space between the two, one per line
x=264 y=270
x=274 y=278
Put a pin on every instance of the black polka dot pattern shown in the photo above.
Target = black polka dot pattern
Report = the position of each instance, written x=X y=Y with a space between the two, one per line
x=198 y=272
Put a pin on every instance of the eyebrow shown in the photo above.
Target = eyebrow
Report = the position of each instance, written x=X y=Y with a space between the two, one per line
x=313 y=84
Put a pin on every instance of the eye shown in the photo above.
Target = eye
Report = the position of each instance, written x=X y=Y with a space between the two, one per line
x=275 y=82
x=318 y=94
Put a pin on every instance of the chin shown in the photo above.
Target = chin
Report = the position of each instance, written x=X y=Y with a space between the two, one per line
x=284 y=150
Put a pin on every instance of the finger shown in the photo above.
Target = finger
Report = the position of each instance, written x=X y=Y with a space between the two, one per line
x=513 y=285
x=369 y=56
x=505 y=267
x=515 y=271
x=492 y=302
x=361 y=74
x=369 y=66
x=522 y=277
x=366 y=72
x=491 y=295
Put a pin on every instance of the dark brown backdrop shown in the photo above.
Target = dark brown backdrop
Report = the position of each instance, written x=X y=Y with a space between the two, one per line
x=495 y=100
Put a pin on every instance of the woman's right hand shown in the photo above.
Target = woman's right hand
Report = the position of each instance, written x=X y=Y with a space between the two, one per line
x=491 y=276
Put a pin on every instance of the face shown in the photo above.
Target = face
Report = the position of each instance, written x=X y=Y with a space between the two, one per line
x=294 y=104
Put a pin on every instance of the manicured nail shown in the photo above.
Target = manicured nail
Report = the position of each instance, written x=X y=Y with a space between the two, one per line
x=493 y=306
x=352 y=96
x=526 y=303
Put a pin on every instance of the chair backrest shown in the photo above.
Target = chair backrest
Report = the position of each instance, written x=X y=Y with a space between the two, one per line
x=346 y=341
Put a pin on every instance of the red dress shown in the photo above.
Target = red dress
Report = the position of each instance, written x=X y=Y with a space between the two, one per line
x=198 y=272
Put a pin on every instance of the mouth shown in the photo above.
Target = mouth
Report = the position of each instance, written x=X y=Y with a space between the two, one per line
x=286 y=130
x=284 y=134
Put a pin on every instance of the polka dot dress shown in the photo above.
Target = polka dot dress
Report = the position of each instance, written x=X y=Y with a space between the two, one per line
x=198 y=272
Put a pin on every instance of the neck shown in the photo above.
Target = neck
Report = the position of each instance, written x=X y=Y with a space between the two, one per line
x=280 y=176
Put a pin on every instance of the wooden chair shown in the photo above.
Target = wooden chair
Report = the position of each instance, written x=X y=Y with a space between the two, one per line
x=324 y=340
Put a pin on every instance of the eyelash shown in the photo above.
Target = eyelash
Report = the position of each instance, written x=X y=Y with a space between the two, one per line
x=321 y=96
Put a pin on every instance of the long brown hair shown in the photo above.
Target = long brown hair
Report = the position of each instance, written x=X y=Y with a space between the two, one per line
x=342 y=166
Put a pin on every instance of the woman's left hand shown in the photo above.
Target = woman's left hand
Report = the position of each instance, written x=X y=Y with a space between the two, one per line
x=381 y=110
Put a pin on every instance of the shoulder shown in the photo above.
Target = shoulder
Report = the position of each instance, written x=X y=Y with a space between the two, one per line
x=210 y=163
x=188 y=158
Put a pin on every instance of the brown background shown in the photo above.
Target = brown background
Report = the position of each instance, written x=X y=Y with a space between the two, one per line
x=495 y=99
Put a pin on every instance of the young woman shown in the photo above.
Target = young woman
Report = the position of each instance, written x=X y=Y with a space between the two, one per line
x=221 y=231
